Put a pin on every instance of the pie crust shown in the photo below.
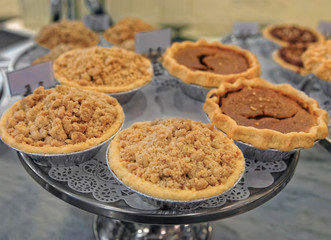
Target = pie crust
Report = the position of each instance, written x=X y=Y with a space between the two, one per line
x=122 y=34
x=317 y=59
x=206 y=78
x=60 y=120
x=298 y=51
x=108 y=70
x=293 y=32
x=256 y=134
x=53 y=54
x=175 y=159
x=73 y=33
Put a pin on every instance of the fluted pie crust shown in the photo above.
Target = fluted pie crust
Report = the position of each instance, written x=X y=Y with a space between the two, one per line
x=264 y=138
x=206 y=78
x=292 y=67
x=102 y=69
x=60 y=120
x=175 y=159
x=317 y=59
x=266 y=32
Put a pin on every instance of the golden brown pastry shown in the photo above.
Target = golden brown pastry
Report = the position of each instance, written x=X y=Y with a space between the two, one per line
x=176 y=159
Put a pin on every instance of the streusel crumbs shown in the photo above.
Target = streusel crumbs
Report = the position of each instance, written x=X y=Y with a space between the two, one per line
x=100 y=66
x=61 y=116
x=178 y=153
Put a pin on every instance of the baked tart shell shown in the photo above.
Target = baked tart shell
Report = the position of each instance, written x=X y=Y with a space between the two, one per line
x=205 y=78
x=266 y=138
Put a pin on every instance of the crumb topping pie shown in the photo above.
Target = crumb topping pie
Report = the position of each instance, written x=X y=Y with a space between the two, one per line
x=176 y=159
x=209 y=64
x=109 y=70
x=266 y=116
x=289 y=57
x=317 y=59
x=60 y=120
x=73 y=33
x=122 y=34
x=286 y=34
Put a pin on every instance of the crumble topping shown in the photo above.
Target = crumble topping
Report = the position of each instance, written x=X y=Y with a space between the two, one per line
x=74 y=33
x=61 y=116
x=99 y=66
x=178 y=153
x=123 y=33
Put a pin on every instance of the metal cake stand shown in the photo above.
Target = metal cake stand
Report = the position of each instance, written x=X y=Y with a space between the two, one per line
x=118 y=220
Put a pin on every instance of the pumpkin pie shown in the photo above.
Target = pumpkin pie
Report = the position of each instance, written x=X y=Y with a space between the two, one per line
x=266 y=116
x=60 y=120
x=73 y=33
x=208 y=64
x=289 y=57
x=122 y=34
x=175 y=159
x=286 y=34
x=108 y=70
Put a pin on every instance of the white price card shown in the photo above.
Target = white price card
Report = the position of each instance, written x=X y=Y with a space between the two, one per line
x=152 y=40
x=245 y=28
x=324 y=27
x=97 y=22
x=27 y=79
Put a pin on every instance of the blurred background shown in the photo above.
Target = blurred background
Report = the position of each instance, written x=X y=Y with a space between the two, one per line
x=194 y=18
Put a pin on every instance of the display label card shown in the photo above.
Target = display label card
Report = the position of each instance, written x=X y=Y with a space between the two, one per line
x=152 y=40
x=24 y=81
x=324 y=27
x=245 y=28
x=97 y=22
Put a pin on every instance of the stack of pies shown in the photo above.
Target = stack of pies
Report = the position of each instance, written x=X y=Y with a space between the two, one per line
x=175 y=159
x=73 y=33
x=122 y=34
x=266 y=116
x=294 y=40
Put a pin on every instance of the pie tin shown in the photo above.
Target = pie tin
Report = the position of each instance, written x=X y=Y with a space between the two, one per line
x=257 y=154
x=167 y=204
x=66 y=159
x=291 y=76
x=125 y=97
x=325 y=86
x=194 y=91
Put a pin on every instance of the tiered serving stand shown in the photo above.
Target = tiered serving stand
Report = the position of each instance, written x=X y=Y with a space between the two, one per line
x=121 y=214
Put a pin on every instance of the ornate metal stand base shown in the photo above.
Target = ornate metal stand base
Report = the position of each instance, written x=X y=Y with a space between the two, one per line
x=107 y=228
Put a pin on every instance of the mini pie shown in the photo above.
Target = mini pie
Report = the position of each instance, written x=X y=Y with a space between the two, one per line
x=285 y=34
x=109 y=70
x=317 y=59
x=266 y=116
x=73 y=33
x=176 y=159
x=289 y=57
x=60 y=120
x=122 y=34
x=208 y=64
x=53 y=54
